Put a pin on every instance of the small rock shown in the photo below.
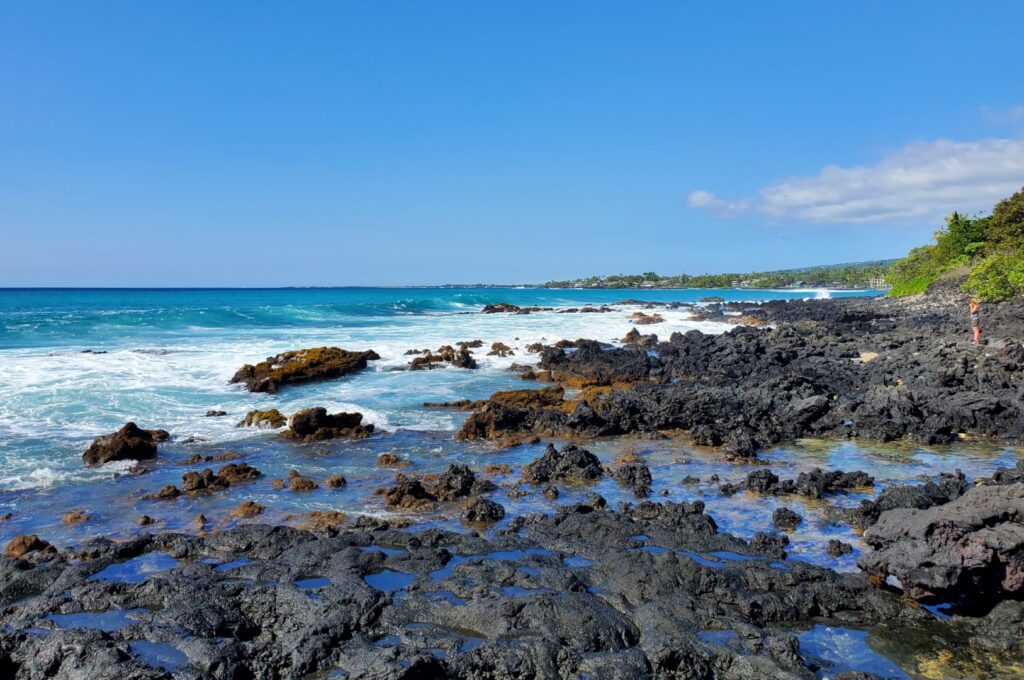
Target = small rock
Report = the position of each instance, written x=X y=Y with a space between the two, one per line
x=129 y=443
x=482 y=510
x=391 y=460
x=786 y=519
x=22 y=545
x=837 y=548
x=270 y=419
x=76 y=516
x=246 y=509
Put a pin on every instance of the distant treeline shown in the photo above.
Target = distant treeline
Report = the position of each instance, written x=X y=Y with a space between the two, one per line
x=853 y=275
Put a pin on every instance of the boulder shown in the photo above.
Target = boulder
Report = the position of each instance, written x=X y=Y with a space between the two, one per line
x=129 y=443
x=634 y=476
x=302 y=366
x=482 y=511
x=246 y=510
x=500 y=349
x=786 y=519
x=21 y=545
x=313 y=424
x=268 y=419
x=571 y=464
x=206 y=480
x=456 y=483
x=969 y=551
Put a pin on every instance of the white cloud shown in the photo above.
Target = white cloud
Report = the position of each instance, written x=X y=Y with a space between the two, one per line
x=918 y=183
x=706 y=200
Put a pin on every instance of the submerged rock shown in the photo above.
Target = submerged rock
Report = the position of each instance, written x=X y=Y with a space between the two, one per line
x=500 y=349
x=838 y=548
x=302 y=366
x=129 y=443
x=246 y=510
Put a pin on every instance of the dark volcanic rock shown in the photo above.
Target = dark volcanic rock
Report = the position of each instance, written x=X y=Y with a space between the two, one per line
x=838 y=548
x=302 y=366
x=784 y=518
x=813 y=484
x=129 y=443
x=946 y=487
x=969 y=551
x=879 y=370
x=456 y=483
x=305 y=605
x=571 y=464
x=314 y=424
x=459 y=358
x=206 y=480
x=482 y=511
x=634 y=476
x=269 y=419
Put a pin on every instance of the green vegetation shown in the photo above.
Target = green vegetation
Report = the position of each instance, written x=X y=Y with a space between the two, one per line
x=989 y=250
x=855 y=275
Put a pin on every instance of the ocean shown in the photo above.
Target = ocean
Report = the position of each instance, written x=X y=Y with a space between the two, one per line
x=75 y=364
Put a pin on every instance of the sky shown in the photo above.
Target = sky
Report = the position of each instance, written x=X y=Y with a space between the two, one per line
x=391 y=143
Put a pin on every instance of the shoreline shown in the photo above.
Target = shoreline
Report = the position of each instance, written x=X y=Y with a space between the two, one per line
x=650 y=565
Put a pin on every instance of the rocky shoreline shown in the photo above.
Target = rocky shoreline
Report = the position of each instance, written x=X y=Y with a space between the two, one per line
x=645 y=589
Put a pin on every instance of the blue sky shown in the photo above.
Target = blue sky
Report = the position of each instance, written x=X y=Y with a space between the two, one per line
x=362 y=143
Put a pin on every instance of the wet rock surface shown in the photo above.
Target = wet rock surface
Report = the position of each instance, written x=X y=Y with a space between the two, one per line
x=313 y=424
x=458 y=358
x=417 y=492
x=813 y=484
x=131 y=442
x=627 y=593
x=267 y=419
x=302 y=366
x=572 y=464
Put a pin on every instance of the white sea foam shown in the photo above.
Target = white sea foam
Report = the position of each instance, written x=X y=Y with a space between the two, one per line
x=55 y=401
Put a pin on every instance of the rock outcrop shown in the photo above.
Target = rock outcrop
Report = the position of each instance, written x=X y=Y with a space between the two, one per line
x=302 y=366
x=129 y=443
x=315 y=424
x=268 y=419
x=969 y=551
x=570 y=465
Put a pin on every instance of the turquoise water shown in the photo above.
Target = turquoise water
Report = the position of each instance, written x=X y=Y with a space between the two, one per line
x=162 y=358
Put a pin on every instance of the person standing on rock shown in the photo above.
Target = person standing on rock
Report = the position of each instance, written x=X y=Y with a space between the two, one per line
x=976 y=320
